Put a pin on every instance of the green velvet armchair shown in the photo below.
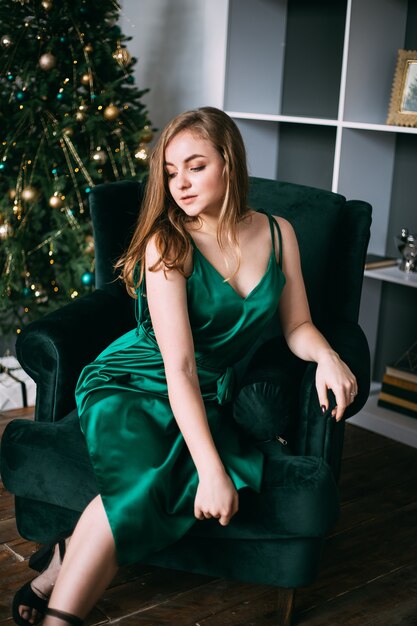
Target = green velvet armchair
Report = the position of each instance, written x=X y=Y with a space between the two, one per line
x=277 y=536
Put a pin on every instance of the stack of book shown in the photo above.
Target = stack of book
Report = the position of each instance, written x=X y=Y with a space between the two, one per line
x=399 y=384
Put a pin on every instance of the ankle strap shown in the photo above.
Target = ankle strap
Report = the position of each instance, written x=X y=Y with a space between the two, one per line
x=72 y=620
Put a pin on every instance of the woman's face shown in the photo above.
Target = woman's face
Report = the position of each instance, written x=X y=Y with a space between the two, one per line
x=194 y=169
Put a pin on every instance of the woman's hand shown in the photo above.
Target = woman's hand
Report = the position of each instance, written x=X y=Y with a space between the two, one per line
x=332 y=373
x=216 y=497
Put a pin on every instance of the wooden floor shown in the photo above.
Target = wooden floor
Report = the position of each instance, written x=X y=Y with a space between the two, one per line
x=368 y=574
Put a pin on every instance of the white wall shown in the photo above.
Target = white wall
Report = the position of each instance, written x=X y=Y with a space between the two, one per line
x=180 y=47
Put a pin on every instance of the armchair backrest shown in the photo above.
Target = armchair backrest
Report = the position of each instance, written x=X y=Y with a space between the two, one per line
x=114 y=209
x=333 y=235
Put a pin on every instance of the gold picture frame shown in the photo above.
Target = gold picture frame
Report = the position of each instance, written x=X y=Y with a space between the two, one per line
x=403 y=105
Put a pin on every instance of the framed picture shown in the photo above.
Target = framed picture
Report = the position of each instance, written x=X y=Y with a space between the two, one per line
x=403 y=105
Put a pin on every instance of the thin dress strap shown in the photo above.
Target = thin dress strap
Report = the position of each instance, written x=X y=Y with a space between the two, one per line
x=273 y=223
x=140 y=305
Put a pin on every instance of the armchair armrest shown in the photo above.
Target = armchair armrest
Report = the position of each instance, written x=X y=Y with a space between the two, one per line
x=54 y=349
x=321 y=435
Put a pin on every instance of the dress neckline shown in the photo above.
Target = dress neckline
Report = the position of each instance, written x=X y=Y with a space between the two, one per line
x=225 y=282
x=271 y=221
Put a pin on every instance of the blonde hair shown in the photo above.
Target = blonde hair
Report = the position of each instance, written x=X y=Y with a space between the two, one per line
x=161 y=217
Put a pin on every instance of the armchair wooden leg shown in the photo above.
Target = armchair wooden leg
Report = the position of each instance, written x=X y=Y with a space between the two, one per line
x=285 y=606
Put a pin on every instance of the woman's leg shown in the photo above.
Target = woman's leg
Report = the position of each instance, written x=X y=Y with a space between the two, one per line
x=88 y=567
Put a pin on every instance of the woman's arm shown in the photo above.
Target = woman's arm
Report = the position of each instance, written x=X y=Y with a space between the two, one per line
x=167 y=301
x=303 y=338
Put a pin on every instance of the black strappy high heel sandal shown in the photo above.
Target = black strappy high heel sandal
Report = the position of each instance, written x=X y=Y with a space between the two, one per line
x=40 y=559
x=26 y=596
x=71 y=620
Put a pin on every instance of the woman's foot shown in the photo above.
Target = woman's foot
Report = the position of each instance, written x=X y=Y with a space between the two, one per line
x=41 y=587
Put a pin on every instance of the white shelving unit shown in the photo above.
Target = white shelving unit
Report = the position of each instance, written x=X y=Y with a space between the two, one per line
x=309 y=85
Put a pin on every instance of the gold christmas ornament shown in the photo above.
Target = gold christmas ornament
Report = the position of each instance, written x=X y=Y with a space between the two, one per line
x=99 y=156
x=6 y=41
x=85 y=79
x=88 y=48
x=47 y=61
x=29 y=194
x=146 y=135
x=111 y=112
x=68 y=131
x=55 y=202
x=47 y=4
x=122 y=56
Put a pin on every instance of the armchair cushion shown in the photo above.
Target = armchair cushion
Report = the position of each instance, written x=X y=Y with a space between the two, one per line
x=266 y=403
x=263 y=409
x=49 y=462
x=298 y=499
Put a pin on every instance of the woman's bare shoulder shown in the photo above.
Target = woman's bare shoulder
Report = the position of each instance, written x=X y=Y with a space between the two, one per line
x=151 y=249
x=153 y=257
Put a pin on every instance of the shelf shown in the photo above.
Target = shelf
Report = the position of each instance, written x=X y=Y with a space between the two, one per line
x=393 y=275
x=294 y=119
x=387 y=423
x=316 y=121
x=383 y=128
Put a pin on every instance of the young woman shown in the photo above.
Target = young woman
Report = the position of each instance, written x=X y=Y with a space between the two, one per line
x=209 y=273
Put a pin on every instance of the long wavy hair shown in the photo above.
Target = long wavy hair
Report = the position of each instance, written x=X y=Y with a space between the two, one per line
x=161 y=217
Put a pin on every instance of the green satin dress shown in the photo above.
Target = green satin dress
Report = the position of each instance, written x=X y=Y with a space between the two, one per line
x=145 y=474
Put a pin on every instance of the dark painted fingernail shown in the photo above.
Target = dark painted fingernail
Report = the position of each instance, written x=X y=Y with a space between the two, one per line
x=323 y=409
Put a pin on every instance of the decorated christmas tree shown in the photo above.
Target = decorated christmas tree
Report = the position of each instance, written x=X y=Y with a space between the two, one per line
x=70 y=117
